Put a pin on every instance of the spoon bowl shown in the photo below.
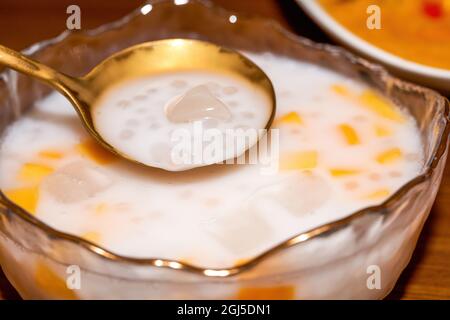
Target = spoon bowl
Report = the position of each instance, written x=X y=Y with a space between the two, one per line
x=146 y=59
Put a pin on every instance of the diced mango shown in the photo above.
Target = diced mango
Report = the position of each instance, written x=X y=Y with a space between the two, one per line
x=34 y=173
x=340 y=90
x=187 y=260
x=382 y=131
x=299 y=160
x=341 y=172
x=92 y=150
x=101 y=208
x=291 y=117
x=446 y=5
x=389 y=156
x=380 y=106
x=240 y=261
x=50 y=282
x=349 y=134
x=51 y=154
x=26 y=198
x=267 y=293
x=92 y=236
x=378 y=194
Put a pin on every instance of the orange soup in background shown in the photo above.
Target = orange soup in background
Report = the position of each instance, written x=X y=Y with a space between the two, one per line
x=416 y=30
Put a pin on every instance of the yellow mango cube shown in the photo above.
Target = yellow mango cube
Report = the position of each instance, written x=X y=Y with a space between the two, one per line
x=51 y=154
x=382 y=131
x=291 y=117
x=95 y=152
x=389 y=156
x=341 y=90
x=26 y=198
x=267 y=293
x=378 y=195
x=342 y=172
x=52 y=284
x=300 y=160
x=92 y=236
x=33 y=172
x=381 y=106
x=349 y=133
x=242 y=261
x=447 y=5
x=101 y=208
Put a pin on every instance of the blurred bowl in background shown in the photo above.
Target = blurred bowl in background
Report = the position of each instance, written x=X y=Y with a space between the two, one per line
x=436 y=78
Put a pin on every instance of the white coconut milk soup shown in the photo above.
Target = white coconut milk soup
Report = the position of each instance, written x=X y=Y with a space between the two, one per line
x=341 y=147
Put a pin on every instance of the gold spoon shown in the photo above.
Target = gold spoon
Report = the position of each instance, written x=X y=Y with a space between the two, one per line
x=144 y=59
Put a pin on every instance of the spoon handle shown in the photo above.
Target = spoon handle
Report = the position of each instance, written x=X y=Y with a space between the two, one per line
x=17 y=61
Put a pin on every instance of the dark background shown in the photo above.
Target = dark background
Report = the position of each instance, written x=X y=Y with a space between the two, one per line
x=24 y=22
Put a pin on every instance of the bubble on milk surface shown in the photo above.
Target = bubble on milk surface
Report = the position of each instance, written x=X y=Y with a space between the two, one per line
x=126 y=134
x=230 y=90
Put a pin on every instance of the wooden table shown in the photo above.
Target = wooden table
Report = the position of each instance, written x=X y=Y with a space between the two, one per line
x=24 y=22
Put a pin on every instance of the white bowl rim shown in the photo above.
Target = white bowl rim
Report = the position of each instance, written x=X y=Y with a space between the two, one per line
x=331 y=26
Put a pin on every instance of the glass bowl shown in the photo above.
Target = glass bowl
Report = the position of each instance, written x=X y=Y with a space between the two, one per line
x=337 y=260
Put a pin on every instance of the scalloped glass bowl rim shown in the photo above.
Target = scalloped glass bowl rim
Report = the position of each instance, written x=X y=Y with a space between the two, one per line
x=321 y=230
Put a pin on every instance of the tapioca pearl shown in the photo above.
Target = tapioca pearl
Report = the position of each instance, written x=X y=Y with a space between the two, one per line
x=126 y=134
x=213 y=86
x=317 y=98
x=151 y=90
x=351 y=185
x=142 y=110
x=154 y=126
x=185 y=194
x=211 y=202
x=230 y=90
x=132 y=122
x=395 y=174
x=232 y=104
x=139 y=97
x=210 y=123
x=124 y=103
x=295 y=131
x=412 y=157
x=136 y=220
x=179 y=84
x=313 y=114
x=248 y=115
x=152 y=215
x=375 y=176
x=241 y=127
x=360 y=118
x=149 y=119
